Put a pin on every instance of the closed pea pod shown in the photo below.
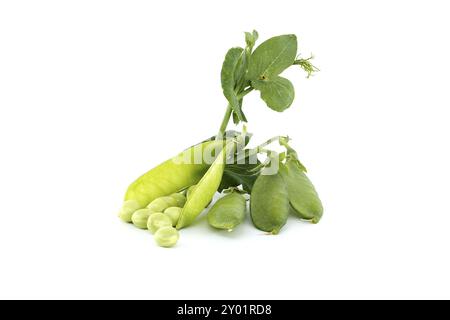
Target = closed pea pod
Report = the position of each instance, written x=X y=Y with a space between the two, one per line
x=171 y=176
x=269 y=204
x=302 y=194
x=205 y=189
x=228 y=212
x=303 y=197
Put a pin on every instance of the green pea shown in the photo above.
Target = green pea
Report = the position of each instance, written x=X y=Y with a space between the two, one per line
x=303 y=197
x=158 y=205
x=140 y=218
x=162 y=203
x=174 y=214
x=158 y=220
x=171 y=201
x=228 y=212
x=127 y=210
x=269 y=203
x=167 y=237
x=171 y=176
x=206 y=188
x=179 y=198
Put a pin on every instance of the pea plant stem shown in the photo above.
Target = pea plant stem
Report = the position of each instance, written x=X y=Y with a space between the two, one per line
x=260 y=148
x=245 y=92
x=226 y=119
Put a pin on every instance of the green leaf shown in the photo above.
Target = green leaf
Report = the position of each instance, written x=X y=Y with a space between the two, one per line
x=272 y=57
x=239 y=72
x=278 y=93
x=239 y=75
x=228 y=78
x=239 y=174
x=235 y=118
x=228 y=182
x=244 y=118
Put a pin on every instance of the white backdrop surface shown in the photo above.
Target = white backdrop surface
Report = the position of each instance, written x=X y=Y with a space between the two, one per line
x=94 y=93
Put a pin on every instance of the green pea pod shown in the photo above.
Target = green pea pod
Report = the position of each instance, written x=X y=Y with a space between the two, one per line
x=269 y=203
x=228 y=212
x=205 y=189
x=190 y=191
x=172 y=175
x=302 y=194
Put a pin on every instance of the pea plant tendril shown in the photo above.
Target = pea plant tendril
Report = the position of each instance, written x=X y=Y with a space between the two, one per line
x=172 y=195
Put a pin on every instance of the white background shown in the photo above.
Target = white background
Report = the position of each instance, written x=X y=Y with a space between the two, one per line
x=94 y=93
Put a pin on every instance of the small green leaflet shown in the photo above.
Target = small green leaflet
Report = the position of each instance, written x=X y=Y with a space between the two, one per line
x=250 y=39
x=278 y=93
x=228 y=78
x=235 y=118
x=272 y=57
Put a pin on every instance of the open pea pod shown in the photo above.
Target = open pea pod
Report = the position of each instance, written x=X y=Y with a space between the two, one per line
x=303 y=196
x=173 y=175
x=205 y=188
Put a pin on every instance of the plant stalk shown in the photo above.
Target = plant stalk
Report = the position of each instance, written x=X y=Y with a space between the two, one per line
x=229 y=111
x=226 y=119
